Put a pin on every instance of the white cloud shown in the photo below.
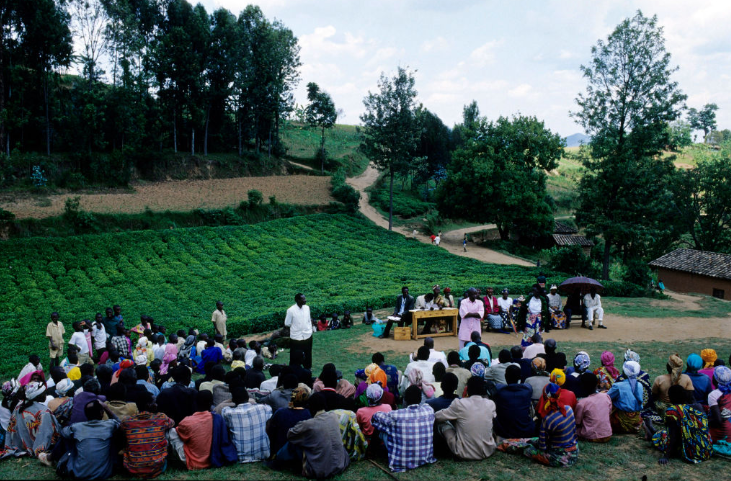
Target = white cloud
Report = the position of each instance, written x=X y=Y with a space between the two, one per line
x=485 y=54
x=321 y=43
x=439 y=44
x=564 y=54
x=521 y=90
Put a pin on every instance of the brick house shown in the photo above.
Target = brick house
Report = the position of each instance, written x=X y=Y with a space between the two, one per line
x=689 y=270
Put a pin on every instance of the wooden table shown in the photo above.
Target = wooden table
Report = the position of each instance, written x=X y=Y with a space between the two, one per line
x=419 y=315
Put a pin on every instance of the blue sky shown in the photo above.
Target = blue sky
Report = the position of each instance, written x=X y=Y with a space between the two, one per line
x=509 y=56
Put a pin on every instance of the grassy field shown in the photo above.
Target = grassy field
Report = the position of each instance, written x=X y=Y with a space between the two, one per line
x=176 y=275
x=341 y=144
x=625 y=458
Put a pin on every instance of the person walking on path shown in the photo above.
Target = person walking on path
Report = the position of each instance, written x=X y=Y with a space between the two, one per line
x=300 y=328
x=219 y=319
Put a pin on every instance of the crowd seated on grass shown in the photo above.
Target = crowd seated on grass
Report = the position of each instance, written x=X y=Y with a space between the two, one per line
x=191 y=401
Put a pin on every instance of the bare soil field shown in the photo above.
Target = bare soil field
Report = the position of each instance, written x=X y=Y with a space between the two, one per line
x=179 y=196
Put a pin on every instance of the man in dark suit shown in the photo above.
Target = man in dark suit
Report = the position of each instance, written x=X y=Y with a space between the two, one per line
x=404 y=304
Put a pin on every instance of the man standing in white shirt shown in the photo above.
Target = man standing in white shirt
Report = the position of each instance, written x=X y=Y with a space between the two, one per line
x=300 y=328
x=78 y=339
x=593 y=304
x=99 y=334
x=219 y=318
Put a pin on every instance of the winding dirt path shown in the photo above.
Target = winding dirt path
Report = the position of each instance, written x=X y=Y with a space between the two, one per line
x=451 y=241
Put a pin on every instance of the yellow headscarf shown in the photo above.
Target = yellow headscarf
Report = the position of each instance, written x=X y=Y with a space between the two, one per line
x=558 y=377
x=709 y=356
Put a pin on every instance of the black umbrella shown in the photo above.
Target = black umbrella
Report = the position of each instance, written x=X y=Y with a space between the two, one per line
x=583 y=283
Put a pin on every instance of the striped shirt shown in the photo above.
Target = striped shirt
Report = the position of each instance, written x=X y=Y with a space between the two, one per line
x=147 y=447
x=410 y=432
x=558 y=431
x=247 y=425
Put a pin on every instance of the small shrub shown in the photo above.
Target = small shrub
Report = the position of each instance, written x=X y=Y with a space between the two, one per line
x=76 y=216
x=255 y=198
x=6 y=216
x=38 y=177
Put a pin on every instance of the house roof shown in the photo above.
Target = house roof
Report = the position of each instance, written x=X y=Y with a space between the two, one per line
x=561 y=228
x=711 y=264
x=572 y=240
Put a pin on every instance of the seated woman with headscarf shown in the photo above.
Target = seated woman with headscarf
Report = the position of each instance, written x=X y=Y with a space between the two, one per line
x=557 y=442
x=582 y=361
x=719 y=404
x=374 y=394
x=687 y=433
x=701 y=384
x=564 y=396
x=33 y=429
x=607 y=373
x=533 y=316
x=662 y=384
x=709 y=357
x=143 y=349
x=627 y=401
x=539 y=379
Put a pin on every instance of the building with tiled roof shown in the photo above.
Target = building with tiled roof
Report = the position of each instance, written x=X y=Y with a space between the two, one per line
x=689 y=270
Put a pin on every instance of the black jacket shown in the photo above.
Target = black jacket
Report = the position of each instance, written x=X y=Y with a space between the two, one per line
x=409 y=304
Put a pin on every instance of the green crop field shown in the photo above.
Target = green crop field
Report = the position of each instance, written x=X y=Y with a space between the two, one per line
x=175 y=276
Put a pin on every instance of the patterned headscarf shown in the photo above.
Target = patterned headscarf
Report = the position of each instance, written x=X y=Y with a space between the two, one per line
x=694 y=362
x=9 y=387
x=141 y=360
x=63 y=386
x=722 y=375
x=416 y=378
x=377 y=375
x=538 y=365
x=187 y=347
x=551 y=393
x=709 y=356
x=478 y=369
x=582 y=361
x=374 y=393
x=142 y=342
x=630 y=355
x=558 y=377
x=34 y=389
x=631 y=370
x=608 y=363
x=360 y=374
x=166 y=360
x=676 y=368
x=300 y=396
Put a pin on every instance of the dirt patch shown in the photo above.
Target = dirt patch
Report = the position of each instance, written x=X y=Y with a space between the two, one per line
x=684 y=302
x=451 y=241
x=182 y=196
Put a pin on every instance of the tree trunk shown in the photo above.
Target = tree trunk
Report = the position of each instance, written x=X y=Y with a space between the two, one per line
x=175 y=130
x=192 y=141
x=605 y=260
x=205 y=135
x=269 y=147
x=2 y=91
x=390 y=203
x=239 y=133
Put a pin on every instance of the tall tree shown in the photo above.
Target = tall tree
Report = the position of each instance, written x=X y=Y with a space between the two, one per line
x=498 y=175
x=320 y=113
x=629 y=100
x=433 y=146
x=390 y=127
x=88 y=22
x=704 y=120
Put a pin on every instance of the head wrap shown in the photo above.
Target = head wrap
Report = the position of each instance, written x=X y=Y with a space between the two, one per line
x=520 y=299
x=554 y=286
x=447 y=290
x=166 y=360
x=435 y=286
x=582 y=361
x=141 y=360
x=377 y=375
x=34 y=389
x=478 y=369
x=631 y=370
x=558 y=377
x=539 y=366
x=506 y=291
x=709 y=356
x=676 y=366
x=541 y=279
x=142 y=342
x=374 y=393
x=551 y=392
x=630 y=355
x=74 y=374
x=722 y=375
x=416 y=378
x=10 y=387
x=299 y=398
x=694 y=362
x=550 y=344
x=63 y=386
x=608 y=363
x=360 y=374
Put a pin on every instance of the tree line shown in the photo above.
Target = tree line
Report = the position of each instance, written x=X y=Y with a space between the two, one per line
x=156 y=74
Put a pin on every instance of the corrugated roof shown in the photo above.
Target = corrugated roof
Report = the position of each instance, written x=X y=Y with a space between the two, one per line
x=572 y=240
x=711 y=264
x=561 y=228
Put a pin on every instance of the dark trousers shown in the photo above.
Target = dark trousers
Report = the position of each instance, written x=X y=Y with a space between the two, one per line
x=569 y=310
x=405 y=321
x=304 y=346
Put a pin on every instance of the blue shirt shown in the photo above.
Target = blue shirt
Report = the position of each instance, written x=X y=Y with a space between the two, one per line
x=701 y=386
x=91 y=451
x=212 y=354
x=513 y=406
x=484 y=353
x=441 y=402
x=624 y=399
x=247 y=425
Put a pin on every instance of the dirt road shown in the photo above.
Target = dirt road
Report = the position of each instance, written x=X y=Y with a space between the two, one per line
x=451 y=241
x=182 y=196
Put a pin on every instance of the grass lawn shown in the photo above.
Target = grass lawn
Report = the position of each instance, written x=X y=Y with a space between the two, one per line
x=643 y=307
x=625 y=458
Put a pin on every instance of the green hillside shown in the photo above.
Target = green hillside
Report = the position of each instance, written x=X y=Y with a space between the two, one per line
x=176 y=275
x=341 y=144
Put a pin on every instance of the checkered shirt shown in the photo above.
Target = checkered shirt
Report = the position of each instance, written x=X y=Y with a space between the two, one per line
x=247 y=426
x=410 y=436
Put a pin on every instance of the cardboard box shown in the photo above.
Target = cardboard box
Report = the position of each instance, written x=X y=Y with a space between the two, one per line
x=402 y=334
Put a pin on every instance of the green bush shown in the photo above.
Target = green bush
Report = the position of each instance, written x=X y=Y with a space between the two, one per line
x=569 y=259
x=406 y=204
x=6 y=216
x=81 y=220
x=344 y=193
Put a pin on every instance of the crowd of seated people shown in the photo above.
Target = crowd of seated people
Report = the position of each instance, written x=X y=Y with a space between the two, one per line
x=198 y=404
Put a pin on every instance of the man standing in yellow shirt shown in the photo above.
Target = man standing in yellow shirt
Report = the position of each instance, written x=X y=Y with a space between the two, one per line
x=54 y=333
x=219 y=319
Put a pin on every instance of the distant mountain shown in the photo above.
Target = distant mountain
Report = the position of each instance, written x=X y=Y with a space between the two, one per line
x=576 y=140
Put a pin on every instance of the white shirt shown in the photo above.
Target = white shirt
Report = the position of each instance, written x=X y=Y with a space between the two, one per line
x=78 y=339
x=99 y=334
x=249 y=358
x=269 y=384
x=422 y=304
x=426 y=371
x=532 y=351
x=158 y=351
x=589 y=302
x=534 y=306
x=505 y=304
x=554 y=300
x=434 y=357
x=299 y=322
